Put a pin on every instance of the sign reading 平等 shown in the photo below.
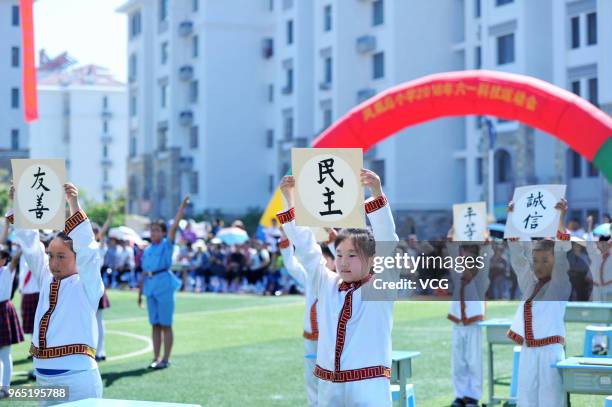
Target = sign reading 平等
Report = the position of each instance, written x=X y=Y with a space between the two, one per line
x=470 y=222
x=534 y=213
x=40 y=201
x=329 y=191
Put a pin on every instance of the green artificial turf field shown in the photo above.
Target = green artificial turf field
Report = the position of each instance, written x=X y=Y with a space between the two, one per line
x=239 y=350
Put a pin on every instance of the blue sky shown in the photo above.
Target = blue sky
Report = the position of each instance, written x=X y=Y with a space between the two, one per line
x=90 y=30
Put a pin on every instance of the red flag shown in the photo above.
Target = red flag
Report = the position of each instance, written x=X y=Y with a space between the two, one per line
x=29 y=69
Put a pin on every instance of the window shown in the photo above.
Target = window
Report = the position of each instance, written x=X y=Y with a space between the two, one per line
x=163 y=95
x=194 y=135
x=575 y=28
x=270 y=93
x=271 y=183
x=289 y=83
x=328 y=70
x=327 y=18
x=195 y=5
x=591 y=170
x=270 y=5
x=105 y=126
x=478 y=57
x=162 y=139
x=378 y=12
x=132 y=68
x=14 y=139
x=163 y=10
x=592 y=84
x=479 y=120
x=378 y=65
x=164 y=53
x=289 y=32
x=105 y=151
x=133 y=106
x=576 y=87
x=288 y=124
x=591 y=28
x=195 y=46
x=502 y=2
x=378 y=166
x=479 y=175
x=194 y=182
x=505 y=49
x=133 y=145
x=15 y=16
x=105 y=176
x=503 y=168
x=270 y=138
x=575 y=165
x=193 y=92
x=135 y=24
x=477 y=8
x=327 y=117
x=105 y=102
x=15 y=98
x=15 y=57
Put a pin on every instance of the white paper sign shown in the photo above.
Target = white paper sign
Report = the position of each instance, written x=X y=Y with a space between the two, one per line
x=40 y=201
x=534 y=212
x=469 y=222
x=328 y=188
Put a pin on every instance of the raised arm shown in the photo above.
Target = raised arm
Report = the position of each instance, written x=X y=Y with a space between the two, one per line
x=32 y=248
x=378 y=211
x=177 y=219
x=520 y=255
x=88 y=261
x=560 y=282
x=292 y=265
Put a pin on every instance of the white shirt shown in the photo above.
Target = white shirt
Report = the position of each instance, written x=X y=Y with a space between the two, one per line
x=476 y=288
x=602 y=276
x=6 y=283
x=27 y=283
x=73 y=321
x=296 y=270
x=547 y=309
x=367 y=336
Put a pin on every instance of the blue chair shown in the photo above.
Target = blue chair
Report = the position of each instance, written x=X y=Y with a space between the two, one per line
x=608 y=402
x=597 y=341
x=395 y=394
x=515 y=371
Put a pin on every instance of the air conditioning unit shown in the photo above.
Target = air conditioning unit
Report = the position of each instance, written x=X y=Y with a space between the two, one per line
x=365 y=44
x=185 y=28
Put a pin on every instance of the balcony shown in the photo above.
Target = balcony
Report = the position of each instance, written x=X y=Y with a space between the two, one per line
x=366 y=44
x=106 y=113
x=365 y=94
x=106 y=162
x=325 y=85
x=287 y=90
x=267 y=48
x=186 y=118
x=185 y=28
x=106 y=138
x=107 y=186
x=186 y=73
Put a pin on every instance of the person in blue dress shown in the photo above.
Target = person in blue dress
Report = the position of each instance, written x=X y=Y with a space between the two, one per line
x=159 y=285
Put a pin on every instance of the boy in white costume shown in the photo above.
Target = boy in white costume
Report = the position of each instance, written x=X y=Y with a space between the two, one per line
x=311 y=326
x=354 y=348
x=538 y=325
x=466 y=310
x=65 y=328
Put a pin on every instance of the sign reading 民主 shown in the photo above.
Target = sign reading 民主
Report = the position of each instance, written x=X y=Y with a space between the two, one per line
x=328 y=187
x=39 y=193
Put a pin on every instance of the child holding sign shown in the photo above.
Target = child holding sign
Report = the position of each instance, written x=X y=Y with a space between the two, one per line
x=311 y=325
x=354 y=349
x=65 y=329
x=467 y=308
x=10 y=329
x=542 y=271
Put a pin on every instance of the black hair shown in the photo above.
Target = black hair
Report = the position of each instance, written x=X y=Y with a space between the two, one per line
x=66 y=239
x=327 y=252
x=362 y=239
x=161 y=224
x=5 y=255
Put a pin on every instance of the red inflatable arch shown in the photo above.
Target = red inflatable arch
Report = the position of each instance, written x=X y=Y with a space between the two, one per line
x=539 y=104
